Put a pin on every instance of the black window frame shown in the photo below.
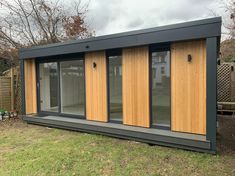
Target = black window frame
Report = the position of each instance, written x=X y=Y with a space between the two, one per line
x=58 y=59
x=158 y=48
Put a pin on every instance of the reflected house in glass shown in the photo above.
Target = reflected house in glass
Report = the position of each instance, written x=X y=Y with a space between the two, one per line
x=155 y=85
x=161 y=108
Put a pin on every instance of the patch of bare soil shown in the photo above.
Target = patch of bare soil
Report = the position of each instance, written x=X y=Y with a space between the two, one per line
x=226 y=134
x=11 y=123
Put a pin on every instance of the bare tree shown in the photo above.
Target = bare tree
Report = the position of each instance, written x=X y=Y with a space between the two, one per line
x=230 y=25
x=25 y=23
x=227 y=46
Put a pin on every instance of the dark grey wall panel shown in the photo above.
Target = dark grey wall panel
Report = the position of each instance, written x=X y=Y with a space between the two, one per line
x=211 y=94
x=22 y=83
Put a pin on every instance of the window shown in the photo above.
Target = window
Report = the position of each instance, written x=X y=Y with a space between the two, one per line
x=162 y=70
x=161 y=109
x=72 y=86
x=115 y=87
x=49 y=86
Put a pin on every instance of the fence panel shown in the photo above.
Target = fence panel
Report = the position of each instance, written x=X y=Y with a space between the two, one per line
x=226 y=87
x=224 y=83
x=5 y=93
x=233 y=83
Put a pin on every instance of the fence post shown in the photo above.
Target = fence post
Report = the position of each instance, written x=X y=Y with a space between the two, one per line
x=12 y=89
x=1 y=93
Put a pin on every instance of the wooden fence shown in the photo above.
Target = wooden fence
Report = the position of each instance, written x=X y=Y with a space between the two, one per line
x=226 y=87
x=6 y=102
x=10 y=89
x=226 y=82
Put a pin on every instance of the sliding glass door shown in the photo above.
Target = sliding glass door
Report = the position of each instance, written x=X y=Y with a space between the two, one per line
x=49 y=86
x=62 y=87
x=72 y=87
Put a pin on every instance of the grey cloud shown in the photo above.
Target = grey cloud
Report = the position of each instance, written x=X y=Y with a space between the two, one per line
x=103 y=13
x=112 y=16
x=188 y=10
x=137 y=22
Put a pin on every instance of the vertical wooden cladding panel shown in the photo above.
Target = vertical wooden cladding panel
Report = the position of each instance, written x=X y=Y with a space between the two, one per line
x=96 y=86
x=188 y=82
x=136 y=86
x=30 y=86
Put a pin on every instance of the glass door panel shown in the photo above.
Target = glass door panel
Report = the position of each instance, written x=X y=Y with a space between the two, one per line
x=49 y=87
x=115 y=88
x=72 y=85
x=161 y=107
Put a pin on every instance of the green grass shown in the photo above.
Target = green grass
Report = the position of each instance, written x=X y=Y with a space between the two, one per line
x=33 y=150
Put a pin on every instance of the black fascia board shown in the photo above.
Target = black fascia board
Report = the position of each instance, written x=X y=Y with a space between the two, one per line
x=177 y=32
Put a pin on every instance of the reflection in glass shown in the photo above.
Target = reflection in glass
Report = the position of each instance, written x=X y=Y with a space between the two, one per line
x=161 y=109
x=115 y=88
x=49 y=86
x=72 y=87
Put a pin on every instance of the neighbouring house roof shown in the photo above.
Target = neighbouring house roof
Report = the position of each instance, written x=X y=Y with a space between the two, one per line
x=177 y=32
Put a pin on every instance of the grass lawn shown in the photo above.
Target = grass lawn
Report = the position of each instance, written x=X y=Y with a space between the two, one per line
x=34 y=150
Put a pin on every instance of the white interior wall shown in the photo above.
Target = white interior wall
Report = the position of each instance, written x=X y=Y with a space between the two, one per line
x=44 y=87
x=72 y=85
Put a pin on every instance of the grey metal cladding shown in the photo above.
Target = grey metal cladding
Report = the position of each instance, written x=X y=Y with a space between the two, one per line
x=177 y=32
x=211 y=94
x=23 y=110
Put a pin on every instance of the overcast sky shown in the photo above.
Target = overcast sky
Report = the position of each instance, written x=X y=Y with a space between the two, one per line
x=113 y=16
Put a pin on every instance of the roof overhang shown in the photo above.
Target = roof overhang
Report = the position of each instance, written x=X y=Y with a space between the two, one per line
x=177 y=32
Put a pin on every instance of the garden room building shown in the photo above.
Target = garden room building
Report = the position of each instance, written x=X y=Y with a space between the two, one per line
x=155 y=85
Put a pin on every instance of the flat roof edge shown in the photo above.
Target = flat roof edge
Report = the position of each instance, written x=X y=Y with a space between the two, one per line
x=33 y=51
